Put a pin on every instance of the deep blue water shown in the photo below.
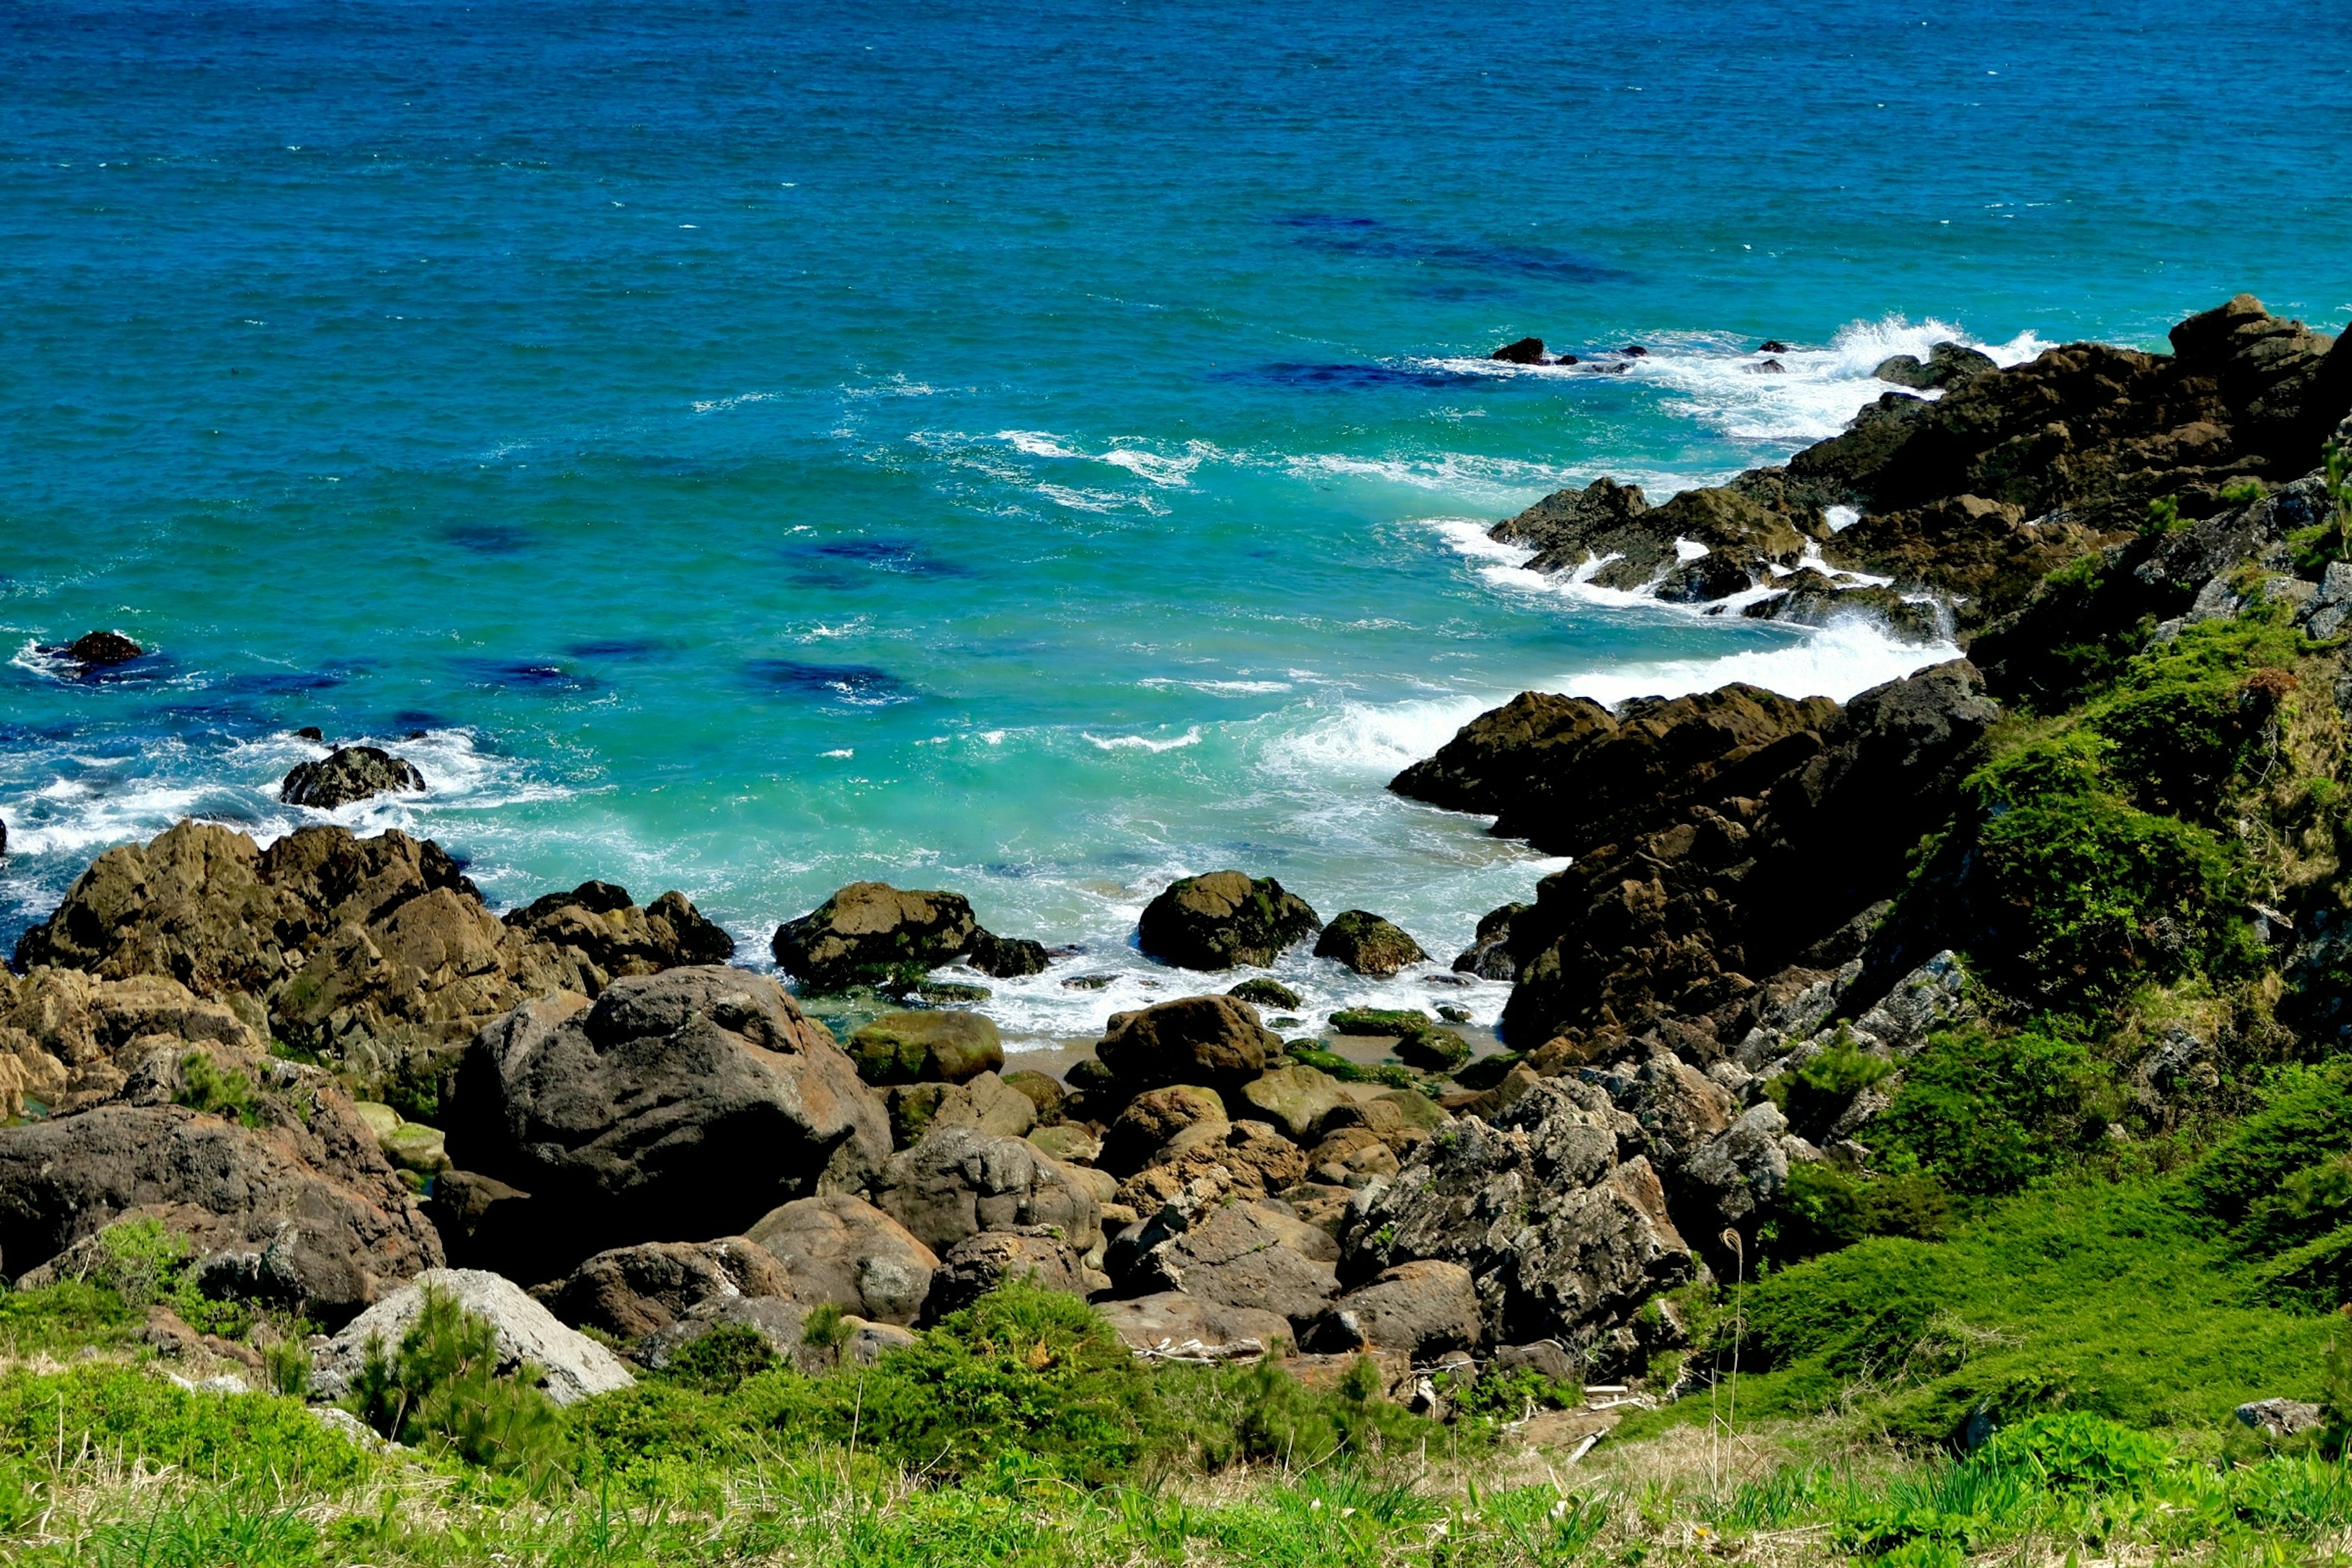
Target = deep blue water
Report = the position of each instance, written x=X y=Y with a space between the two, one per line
x=1033 y=450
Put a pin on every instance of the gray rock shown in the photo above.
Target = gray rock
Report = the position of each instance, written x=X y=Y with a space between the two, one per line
x=1423 y=1309
x=575 y=1365
x=958 y=1182
x=1563 y=1240
x=692 y=1100
x=2282 y=1417
x=1245 y=1254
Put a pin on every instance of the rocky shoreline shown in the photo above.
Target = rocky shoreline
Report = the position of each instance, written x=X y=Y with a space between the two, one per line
x=336 y=1073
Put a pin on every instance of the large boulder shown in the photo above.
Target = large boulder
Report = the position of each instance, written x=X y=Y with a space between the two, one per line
x=632 y=1291
x=986 y=1259
x=1368 y=945
x=376 y=952
x=1563 y=1239
x=872 y=933
x=1294 y=1099
x=958 y=1182
x=1244 y=1254
x=1161 y=1124
x=279 y=1186
x=843 y=1250
x=524 y=1333
x=684 y=1103
x=1223 y=919
x=949 y=1047
x=346 y=774
x=987 y=1103
x=1423 y=1309
x=1212 y=1040
x=99 y=649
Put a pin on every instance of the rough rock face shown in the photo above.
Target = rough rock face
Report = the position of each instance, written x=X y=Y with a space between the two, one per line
x=843 y=1250
x=292 y=1202
x=986 y=1102
x=1224 y=919
x=1947 y=364
x=986 y=1259
x=1423 y=1309
x=1212 y=1040
x=1811 y=598
x=1368 y=945
x=631 y=1291
x=692 y=1100
x=1676 y=923
x=1630 y=545
x=873 y=933
x=941 y=1046
x=598 y=921
x=347 y=773
x=100 y=649
x=67 y=1039
x=1244 y=1255
x=1294 y=1098
x=1161 y=1124
x=1563 y=1239
x=1567 y=774
x=958 y=1182
x=575 y=1365
x=376 y=951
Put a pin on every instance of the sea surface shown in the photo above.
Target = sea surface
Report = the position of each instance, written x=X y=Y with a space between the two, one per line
x=1037 y=450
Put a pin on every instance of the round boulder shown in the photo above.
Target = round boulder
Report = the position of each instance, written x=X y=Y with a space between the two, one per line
x=843 y=1250
x=1214 y=1041
x=1264 y=993
x=692 y=1100
x=937 y=1046
x=871 y=933
x=1161 y=1123
x=1423 y=1309
x=347 y=773
x=1368 y=945
x=1293 y=1099
x=960 y=1180
x=632 y=1291
x=101 y=648
x=980 y=1263
x=1223 y=919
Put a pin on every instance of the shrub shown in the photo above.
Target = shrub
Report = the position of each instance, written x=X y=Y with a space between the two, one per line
x=723 y=1360
x=2305 y=1120
x=1265 y=1416
x=440 y=1388
x=1825 y=1208
x=1817 y=1093
x=220 y=1091
x=1984 y=1113
x=144 y=1263
x=2074 y=1450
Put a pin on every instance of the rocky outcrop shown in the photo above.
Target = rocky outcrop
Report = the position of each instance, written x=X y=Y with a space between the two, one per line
x=1947 y=365
x=264 y=1166
x=986 y=1102
x=1611 y=534
x=937 y=1046
x=692 y=1101
x=633 y=1292
x=1212 y=1040
x=1368 y=945
x=1668 y=929
x=958 y=1182
x=871 y=933
x=349 y=774
x=524 y=1333
x=843 y=1250
x=1177 y=1324
x=1567 y=774
x=1224 y=919
x=98 y=650
x=598 y=921
x=1563 y=1239
x=376 y=952
x=1811 y=598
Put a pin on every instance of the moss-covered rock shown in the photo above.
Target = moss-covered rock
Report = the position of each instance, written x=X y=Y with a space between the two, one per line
x=1368 y=944
x=939 y=1047
x=1223 y=919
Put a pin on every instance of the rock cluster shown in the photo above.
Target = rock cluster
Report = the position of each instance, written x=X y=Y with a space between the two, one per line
x=347 y=773
x=871 y=933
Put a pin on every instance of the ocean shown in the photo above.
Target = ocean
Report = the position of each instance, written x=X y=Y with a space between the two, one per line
x=1038 y=451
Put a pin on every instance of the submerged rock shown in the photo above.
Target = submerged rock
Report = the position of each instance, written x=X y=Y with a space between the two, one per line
x=99 y=649
x=1223 y=919
x=349 y=774
x=1526 y=350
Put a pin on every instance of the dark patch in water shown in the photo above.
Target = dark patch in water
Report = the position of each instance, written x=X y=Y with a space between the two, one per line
x=618 y=647
x=14 y=734
x=281 y=682
x=1370 y=237
x=409 y=719
x=489 y=538
x=521 y=674
x=860 y=685
x=836 y=563
x=1359 y=377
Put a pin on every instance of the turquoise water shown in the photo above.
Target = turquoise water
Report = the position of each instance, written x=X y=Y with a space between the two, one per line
x=1038 y=451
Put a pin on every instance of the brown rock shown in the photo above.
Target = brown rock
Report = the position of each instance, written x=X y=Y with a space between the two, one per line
x=1423 y=1309
x=841 y=1249
x=981 y=1262
x=1224 y=919
x=1212 y=1040
x=631 y=1291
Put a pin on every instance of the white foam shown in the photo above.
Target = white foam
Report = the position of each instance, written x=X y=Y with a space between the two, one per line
x=1841 y=518
x=1190 y=737
x=1848 y=655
